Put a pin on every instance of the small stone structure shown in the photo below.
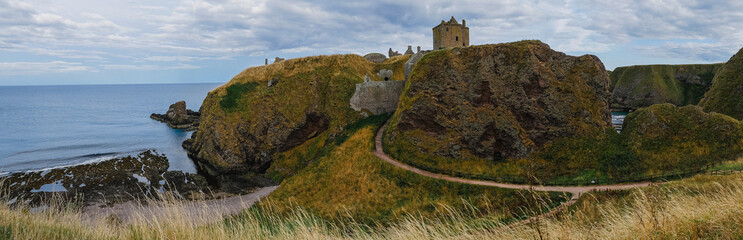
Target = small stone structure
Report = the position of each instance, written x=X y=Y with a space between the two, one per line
x=375 y=57
x=376 y=97
x=393 y=53
x=451 y=34
x=409 y=51
x=275 y=60
x=385 y=74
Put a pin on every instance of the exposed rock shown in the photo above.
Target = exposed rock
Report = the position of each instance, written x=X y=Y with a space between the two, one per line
x=664 y=137
x=375 y=57
x=641 y=86
x=385 y=74
x=367 y=78
x=499 y=101
x=273 y=82
x=116 y=180
x=179 y=117
x=726 y=94
x=378 y=97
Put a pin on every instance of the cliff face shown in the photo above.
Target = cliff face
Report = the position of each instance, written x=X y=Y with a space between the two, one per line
x=663 y=137
x=499 y=101
x=725 y=94
x=273 y=109
x=641 y=86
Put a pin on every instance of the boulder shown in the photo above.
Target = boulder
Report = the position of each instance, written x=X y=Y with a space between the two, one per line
x=499 y=101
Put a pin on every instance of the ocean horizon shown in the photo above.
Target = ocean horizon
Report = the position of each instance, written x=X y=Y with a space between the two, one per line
x=51 y=126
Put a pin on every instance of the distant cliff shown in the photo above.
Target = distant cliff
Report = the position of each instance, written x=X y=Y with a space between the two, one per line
x=634 y=87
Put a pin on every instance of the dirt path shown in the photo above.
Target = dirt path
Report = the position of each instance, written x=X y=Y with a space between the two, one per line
x=193 y=212
x=576 y=191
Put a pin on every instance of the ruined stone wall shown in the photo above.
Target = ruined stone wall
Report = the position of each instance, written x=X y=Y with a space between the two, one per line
x=377 y=97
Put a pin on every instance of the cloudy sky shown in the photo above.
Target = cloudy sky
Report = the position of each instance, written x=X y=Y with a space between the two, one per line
x=138 y=41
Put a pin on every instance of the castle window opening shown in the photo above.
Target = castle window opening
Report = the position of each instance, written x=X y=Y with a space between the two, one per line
x=457 y=39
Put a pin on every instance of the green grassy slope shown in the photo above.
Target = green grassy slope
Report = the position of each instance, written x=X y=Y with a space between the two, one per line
x=725 y=94
x=350 y=181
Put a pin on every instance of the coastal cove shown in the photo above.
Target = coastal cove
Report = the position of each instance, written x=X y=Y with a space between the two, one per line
x=55 y=126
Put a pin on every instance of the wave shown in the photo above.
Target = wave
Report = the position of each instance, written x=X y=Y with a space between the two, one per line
x=88 y=159
x=53 y=149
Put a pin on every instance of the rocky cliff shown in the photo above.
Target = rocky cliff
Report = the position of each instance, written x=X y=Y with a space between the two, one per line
x=283 y=112
x=725 y=94
x=641 y=86
x=498 y=101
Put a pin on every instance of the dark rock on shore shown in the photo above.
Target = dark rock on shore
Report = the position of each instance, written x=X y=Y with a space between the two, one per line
x=117 y=180
x=179 y=117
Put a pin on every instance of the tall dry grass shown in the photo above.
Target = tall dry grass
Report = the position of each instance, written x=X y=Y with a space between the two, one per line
x=704 y=207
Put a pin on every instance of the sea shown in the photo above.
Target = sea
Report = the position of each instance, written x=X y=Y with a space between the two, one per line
x=55 y=126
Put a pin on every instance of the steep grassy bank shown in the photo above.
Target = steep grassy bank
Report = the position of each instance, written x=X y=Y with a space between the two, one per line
x=349 y=181
x=634 y=87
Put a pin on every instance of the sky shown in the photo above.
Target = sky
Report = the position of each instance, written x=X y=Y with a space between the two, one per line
x=51 y=42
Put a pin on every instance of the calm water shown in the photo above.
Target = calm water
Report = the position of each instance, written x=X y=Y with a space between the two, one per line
x=52 y=126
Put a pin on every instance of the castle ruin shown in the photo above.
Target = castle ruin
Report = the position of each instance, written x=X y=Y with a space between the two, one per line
x=451 y=34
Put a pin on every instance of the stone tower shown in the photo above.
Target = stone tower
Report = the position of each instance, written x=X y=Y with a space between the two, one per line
x=451 y=34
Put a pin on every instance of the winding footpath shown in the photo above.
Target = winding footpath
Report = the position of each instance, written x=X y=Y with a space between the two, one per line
x=576 y=191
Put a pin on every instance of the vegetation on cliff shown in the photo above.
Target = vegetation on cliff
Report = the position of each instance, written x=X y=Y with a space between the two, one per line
x=488 y=109
x=634 y=87
x=279 y=117
x=725 y=94
x=663 y=137
x=350 y=181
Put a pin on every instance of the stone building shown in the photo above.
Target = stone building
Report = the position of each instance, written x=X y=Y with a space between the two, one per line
x=451 y=34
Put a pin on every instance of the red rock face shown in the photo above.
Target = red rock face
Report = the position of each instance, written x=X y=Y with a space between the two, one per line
x=500 y=101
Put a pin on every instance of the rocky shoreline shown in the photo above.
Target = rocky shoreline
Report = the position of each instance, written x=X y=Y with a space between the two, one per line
x=108 y=182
